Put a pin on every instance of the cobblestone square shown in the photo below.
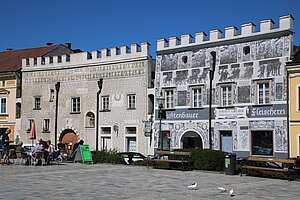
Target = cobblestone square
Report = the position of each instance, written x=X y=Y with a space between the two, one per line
x=101 y=181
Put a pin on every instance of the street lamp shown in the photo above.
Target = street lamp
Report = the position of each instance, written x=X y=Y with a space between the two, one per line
x=211 y=77
x=57 y=87
x=100 y=82
x=161 y=115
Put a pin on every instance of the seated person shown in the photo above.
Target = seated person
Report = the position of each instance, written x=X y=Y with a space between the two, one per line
x=38 y=147
x=49 y=151
x=77 y=145
x=19 y=147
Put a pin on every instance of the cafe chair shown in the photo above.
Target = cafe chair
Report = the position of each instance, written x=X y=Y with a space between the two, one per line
x=21 y=158
x=38 y=157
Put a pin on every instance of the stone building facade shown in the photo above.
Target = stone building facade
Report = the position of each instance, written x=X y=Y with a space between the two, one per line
x=248 y=89
x=127 y=80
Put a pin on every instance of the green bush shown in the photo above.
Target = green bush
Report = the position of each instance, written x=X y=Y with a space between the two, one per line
x=110 y=156
x=206 y=159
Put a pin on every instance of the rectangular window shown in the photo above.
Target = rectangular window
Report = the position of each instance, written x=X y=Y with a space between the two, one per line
x=169 y=95
x=46 y=125
x=130 y=130
x=106 y=143
x=263 y=92
x=106 y=130
x=196 y=99
x=30 y=121
x=75 y=105
x=131 y=101
x=105 y=103
x=262 y=143
x=226 y=95
x=3 y=101
x=131 y=144
x=37 y=103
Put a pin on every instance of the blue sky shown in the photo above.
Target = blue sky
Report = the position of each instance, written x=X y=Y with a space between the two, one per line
x=93 y=25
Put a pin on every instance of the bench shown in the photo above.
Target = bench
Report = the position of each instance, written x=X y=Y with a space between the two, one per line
x=269 y=164
x=163 y=157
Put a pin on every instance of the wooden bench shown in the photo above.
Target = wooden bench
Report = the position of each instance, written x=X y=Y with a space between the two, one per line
x=252 y=160
x=163 y=157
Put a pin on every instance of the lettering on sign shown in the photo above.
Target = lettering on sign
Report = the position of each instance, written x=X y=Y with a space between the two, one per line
x=231 y=113
x=274 y=111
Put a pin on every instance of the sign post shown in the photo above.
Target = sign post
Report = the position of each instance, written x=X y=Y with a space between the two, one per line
x=83 y=154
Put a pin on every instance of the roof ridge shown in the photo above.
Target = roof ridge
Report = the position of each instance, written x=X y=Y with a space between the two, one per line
x=31 y=48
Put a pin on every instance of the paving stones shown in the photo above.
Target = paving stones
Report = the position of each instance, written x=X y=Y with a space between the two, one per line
x=81 y=181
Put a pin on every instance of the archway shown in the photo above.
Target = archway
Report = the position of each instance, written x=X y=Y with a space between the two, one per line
x=67 y=140
x=191 y=139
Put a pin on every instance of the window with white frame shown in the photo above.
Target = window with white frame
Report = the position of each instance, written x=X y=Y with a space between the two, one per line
x=263 y=92
x=105 y=130
x=46 y=125
x=3 y=101
x=105 y=103
x=197 y=97
x=226 y=95
x=37 y=102
x=75 y=105
x=131 y=101
x=169 y=98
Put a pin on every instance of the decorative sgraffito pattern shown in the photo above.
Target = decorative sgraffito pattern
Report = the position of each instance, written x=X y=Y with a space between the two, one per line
x=198 y=58
x=178 y=129
x=243 y=140
x=169 y=62
x=228 y=54
x=261 y=125
x=243 y=94
x=181 y=77
x=281 y=137
x=182 y=98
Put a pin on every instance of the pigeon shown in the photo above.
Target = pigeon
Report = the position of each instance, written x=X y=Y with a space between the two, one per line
x=231 y=192
x=221 y=189
x=193 y=186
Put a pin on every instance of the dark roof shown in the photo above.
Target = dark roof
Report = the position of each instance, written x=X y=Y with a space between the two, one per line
x=12 y=60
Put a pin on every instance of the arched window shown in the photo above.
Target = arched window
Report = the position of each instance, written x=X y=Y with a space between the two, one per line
x=90 y=120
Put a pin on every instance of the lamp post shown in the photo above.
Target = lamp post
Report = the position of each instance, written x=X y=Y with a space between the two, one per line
x=211 y=77
x=100 y=82
x=57 y=87
x=161 y=114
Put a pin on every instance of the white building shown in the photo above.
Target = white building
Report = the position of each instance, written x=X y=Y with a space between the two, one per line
x=249 y=114
x=123 y=100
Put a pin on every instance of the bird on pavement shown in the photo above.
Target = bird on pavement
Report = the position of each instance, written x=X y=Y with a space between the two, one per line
x=193 y=186
x=231 y=192
x=221 y=189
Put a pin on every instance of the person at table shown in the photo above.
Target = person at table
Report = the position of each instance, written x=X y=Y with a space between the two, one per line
x=49 y=151
x=19 y=147
x=38 y=147
x=5 y=139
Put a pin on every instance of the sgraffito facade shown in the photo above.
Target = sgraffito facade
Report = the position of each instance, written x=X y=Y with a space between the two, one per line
x=248 y=89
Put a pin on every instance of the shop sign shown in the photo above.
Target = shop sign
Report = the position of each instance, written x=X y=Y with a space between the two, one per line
x=277 y=110
x=231 y=113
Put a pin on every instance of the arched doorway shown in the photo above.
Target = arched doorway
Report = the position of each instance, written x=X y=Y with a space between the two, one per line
x=67 y=140
x=191 y=139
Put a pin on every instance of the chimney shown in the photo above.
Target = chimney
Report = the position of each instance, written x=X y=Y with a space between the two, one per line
x=68 y=45
x=49 y=43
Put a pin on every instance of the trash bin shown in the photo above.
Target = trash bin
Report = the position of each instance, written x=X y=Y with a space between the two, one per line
x=230 y=164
